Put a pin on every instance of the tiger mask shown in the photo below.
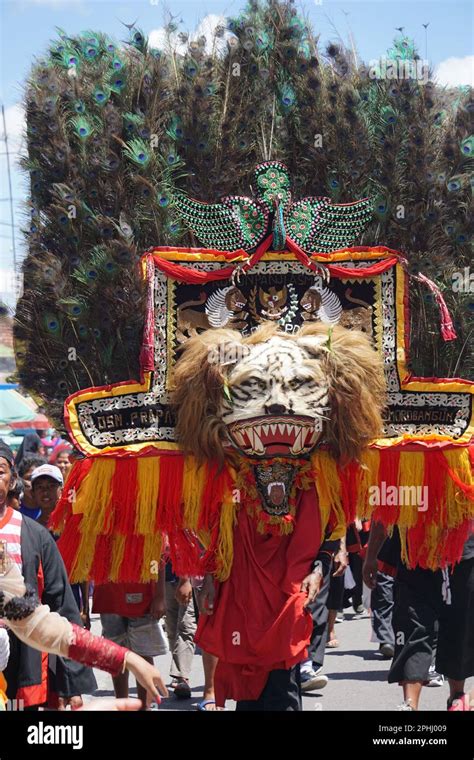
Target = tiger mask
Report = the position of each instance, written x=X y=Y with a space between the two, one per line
x=275 y=394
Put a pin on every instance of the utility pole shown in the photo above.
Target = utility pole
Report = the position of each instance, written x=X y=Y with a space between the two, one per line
x=12 y=214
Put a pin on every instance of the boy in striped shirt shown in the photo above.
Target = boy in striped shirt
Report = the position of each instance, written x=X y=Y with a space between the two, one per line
x=34 y=550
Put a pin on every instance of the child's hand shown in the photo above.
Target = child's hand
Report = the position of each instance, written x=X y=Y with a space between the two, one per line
x=207 y=596
x=184 y=592
x=86 y=621
x=148 y=676
x=157 y=608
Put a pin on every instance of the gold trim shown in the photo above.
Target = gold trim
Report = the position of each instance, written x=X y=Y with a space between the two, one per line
x=113 y=390
x=171 y=327
x=343 y=255
x=378 y=318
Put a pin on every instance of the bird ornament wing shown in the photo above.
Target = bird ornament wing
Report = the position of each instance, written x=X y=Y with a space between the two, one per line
x=319 y=226
x=235 y=222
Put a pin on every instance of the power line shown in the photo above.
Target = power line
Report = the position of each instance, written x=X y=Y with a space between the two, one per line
x=12 y=214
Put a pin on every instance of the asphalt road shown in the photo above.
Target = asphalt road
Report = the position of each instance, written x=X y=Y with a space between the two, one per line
x=357 y=676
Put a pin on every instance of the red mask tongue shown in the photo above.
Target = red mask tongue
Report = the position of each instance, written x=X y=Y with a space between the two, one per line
x=276 y=494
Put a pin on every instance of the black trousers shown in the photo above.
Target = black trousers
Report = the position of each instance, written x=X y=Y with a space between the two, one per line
x=336 y=593
x=319 y=613
x=381 y=604
x=421 y=616
x=281 y=693
x=354 y=594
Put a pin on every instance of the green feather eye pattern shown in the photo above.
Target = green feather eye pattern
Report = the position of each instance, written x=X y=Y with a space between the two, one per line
x=467 y=146
x=82 y=127
x=73 y=307
x=51 y=324
x=138 y=151
x=101 y=95
x=117 y=64
x=117 y=83
x=380 y=206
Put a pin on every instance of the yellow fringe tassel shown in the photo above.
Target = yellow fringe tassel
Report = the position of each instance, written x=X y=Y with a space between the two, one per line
x=194 y=481
x=95 y=496
x=411 y=473
x=94 y=500
x=148 y=477
x=84 y=558
x=152 y=552
x=328 y=487
x=118 y=548
x=225 y=546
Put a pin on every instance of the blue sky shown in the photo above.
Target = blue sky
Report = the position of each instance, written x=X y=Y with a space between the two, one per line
x=27 y=26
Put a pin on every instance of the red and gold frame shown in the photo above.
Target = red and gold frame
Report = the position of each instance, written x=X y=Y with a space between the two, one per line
x=196 y=268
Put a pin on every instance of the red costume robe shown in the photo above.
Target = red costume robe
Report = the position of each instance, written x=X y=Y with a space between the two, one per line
x=259 y=623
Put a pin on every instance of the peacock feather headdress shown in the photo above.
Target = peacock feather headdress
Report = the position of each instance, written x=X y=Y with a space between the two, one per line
x=122 y=138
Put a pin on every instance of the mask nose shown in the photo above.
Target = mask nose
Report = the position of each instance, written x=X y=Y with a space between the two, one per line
x=275 y=409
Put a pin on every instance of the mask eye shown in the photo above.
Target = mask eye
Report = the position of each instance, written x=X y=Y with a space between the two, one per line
x=260 y=384
x=296 y=383
x=254 y=382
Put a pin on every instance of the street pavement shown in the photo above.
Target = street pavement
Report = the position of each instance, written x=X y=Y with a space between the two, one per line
x=357 y=676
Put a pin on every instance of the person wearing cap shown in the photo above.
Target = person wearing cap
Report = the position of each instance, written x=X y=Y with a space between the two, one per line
x=24 y=469
x=31 y=547
x=47 y=484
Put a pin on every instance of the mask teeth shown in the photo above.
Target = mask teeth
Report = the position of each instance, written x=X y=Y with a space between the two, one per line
x=275 y=483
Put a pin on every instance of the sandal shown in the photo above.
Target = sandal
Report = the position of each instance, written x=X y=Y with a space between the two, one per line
x=333 y=644
x=460 y=704
x=182 y=690
x=202 y=705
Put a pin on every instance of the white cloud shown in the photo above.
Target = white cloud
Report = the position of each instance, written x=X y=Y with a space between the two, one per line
x=159 y=39
x=207 y=27
x=454 y=72
x=15 y=128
